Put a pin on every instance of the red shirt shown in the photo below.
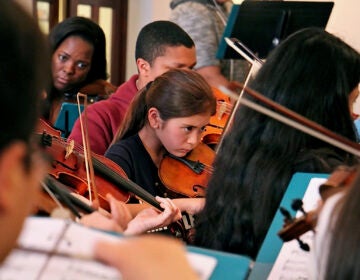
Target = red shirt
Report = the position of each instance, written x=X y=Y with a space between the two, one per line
x=105 y=117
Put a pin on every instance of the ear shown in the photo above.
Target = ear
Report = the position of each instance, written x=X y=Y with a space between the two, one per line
x=154 y=118
x=143 y=67
x=11 y=167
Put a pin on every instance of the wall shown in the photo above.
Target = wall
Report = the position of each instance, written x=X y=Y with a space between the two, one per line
x=141 y=12
x=344 y=22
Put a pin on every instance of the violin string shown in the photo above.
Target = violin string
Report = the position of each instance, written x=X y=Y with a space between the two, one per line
x=78 y=148
x=52 y=195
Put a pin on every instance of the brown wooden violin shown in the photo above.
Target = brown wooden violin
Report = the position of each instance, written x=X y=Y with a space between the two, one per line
x=68 y=166
x=57 y=197
x=293 y=228
x=213 y=131
x=68 y=169
x=187 y=176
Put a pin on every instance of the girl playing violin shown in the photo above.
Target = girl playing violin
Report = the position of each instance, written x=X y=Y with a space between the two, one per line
x=312 y=73
x=167 y=116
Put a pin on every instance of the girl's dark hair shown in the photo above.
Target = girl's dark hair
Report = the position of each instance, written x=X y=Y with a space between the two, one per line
x=177 y=93
x=312 y=72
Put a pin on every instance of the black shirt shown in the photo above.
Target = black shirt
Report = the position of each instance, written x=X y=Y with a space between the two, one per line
x=131 y=155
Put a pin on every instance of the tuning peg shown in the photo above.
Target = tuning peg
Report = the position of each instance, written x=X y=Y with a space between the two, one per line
x=297 y=205
x=304 y=246
x=286 y=214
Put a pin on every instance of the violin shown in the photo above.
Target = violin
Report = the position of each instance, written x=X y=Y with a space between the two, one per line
x=94 y=91
x=68 y=166
x=213 y=131
x=187 y=176
x=62 y=200
x=340 y=179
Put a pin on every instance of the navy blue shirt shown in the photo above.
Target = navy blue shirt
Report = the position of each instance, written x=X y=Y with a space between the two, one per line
x=131 y=155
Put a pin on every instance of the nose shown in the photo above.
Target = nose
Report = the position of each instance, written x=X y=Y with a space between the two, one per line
x=69 y=68
x=194 y=138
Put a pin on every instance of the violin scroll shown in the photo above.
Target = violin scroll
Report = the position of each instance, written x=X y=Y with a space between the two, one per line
x=293 y=228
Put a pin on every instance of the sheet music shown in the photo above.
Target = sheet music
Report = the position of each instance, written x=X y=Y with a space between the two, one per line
x=43 y=237
x=72 y=245
x=293 y=262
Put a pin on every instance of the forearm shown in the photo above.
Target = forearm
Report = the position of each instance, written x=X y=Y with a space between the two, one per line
x=213 y=76
x=190 y=205
x=135 y=208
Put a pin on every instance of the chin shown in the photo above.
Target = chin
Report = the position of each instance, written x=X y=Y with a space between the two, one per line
x=179 y=154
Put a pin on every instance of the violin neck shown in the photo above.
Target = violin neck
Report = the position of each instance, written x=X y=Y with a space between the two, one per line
x=126 y=184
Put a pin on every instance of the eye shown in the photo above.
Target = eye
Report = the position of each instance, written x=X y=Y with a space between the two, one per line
x=82 y=65
x=188 y=128
x=203 y=128
x=62 y=57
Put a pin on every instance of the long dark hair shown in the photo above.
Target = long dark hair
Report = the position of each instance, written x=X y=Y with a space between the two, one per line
x=312 y=73
x=176 y=93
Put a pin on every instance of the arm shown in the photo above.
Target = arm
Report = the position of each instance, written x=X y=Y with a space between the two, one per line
x=147 y=257
x=190 y=205
x=122 y=220
x=213 y=76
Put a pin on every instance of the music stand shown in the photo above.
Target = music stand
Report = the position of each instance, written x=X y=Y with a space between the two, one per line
x=262 y=25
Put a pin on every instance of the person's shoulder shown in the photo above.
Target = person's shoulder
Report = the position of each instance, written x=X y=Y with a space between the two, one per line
x=127 y=146
x=189 y=8
x=127 y=90
x=322 y=160
x=102 y=107
x=101 y=88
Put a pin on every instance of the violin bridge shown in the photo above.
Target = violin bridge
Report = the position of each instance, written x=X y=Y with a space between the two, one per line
x=69 y=149
x=222 y=110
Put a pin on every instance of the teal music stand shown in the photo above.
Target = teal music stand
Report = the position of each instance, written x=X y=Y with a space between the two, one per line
x=67 y=116
x=272 y=244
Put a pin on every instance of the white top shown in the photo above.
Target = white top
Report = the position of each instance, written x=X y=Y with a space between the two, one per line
x=322 y=238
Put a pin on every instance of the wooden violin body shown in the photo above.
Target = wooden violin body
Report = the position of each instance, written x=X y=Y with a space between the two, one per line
x=68 y=169
x=188 y=176
x=68 y=166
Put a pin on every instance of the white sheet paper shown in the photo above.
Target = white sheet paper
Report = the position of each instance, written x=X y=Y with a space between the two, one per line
x=57 y=249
